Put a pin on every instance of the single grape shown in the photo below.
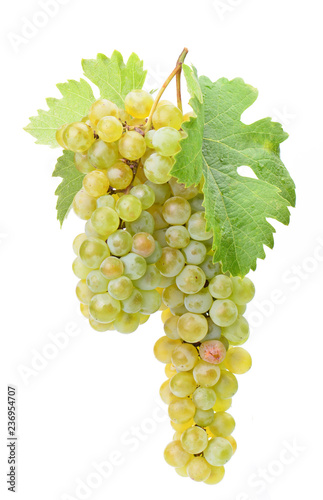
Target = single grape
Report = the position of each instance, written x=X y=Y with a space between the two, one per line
x=112 y=268
x=96 y=183
x=204 y=418
x=184 y=357
x=83 y=293
x=165 y=393
x=181 y=410
x=171 y=262
x=120 y=175
x=78 y=240
x=175 y=455
x=84 y=308
x=194 y=440
x=170 y=327
x=156 y=255
x=181 y=427
x=227 y=385
x=126 y=323
x=149 y=138
x=144 y=223
x=199 y=302
x=217 y=474
x=197 y=227
x=197 y=203
x=192 y=327
x=133 y=303
x=238 y=332
x=214 y=331
x=120 y=242
x=151 y=301
x=194 y=252
x=191 y=280
x=233 y=443
x=223 y=424
x=128 y=208
x=96 y=282
x=222 y=404
x=84 y=204
x=120 y=288
x=134 y=266
x=82 y=163
x=167 y=115
x=143 y=244
x=78 y=137
x=177 y=237
x=218 y=452
x=104 y=308
x=198 y=469
x=79 y=269
x=210 y=269
x=132 y=145
x=100 y=327
x=243 y=290
x=164 y=348
x=204 y=398
x=101 y=108
x=92 y=252
x=59 y=135
x=238 y=360
x=102 y=155
x=206 y=374
x=162 y=191
x=109 y=129
x=182 y=384
x=223 y=312
x=170 y=369
x=157 y=213
x=105 y=221
x=220 y=287
x=176 y=210
x=213 y=351
x=172 y=296
x=166 y=141
x=160 y=236
x=145 y=194
x=138 y=103
x=106 y=201
x=157 y=168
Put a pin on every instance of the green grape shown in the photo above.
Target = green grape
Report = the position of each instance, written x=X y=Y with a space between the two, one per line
x=233 y=443
x=96 y=282
x=120 y=288
x=238 y=360
x=204 y=418
x=224 y=312
x=181 y=410
x=151 y=301
x=179 y=189
x=172 y=296
x=134 y=266
x=84 y=205
x=167 y=115
x=138 y=103
x=159 y=221
x=132 y=145
x=209 y=268
x=150 y=280
x=91 y=232
x=204 y=398
x=133 y=303
x=181 y=427
x=213 y=351
x=171 y=262
x=170 y=369
x=217 y=474
x=197 y=227
x=105 y=221
x=96 y=183
x=145 y=194
x=218 y=452
x=180 y=310
x=162 y=191
x=191 y=280
x=78 y=240
x=82 y=163
x=238 y=332
x=194 y=252
x=197 y=203
x=144 y=223
x=78 y=137
x=143 y=244
x=243 y=290
x=181 y=471
x=102 y=155
x=157 y=168
x=128 y=208
x=198 y=302
x=83 y=293
x=223 y=424
x=126 y=323
x=164 y=348
x=149 y=138
x=124 y=116
x=194 y=440
x=222 y=404
x=104 y=308
x=225 y=342
x=109 y=129
x=182 y=384
x=120 y=175
x=106 y=201
x=227 y=385
x=112 y=268
x=176 y=210
x=101 y=108
x=143 y=318
x=93 y=251
x=100 y=327
x=166 y=141
x=241 y=309
x=156 y=255
x=144 y=158
x=206 y=374
x=170 y=327
x=177 y=237
x=160 y=236
x=198 y=469
x=165 y=393
x=220 y=287
x=120 y=243
x=79 y=269
x=175 y=455
x=192 y=327
x=59 y=135
x=214 y=331
x=84 y=308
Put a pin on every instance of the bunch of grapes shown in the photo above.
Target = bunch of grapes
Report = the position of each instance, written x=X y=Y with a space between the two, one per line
x=145 y=248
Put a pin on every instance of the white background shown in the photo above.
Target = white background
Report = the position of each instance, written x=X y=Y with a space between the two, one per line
x=85 y=405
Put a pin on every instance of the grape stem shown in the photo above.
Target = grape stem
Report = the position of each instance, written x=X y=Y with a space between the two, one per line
x=176 y=72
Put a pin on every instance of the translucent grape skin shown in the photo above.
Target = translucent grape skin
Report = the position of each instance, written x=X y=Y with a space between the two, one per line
x=218 y=452
x=238 y=360
x=194 y=440
x=175 y=455
x=171 y=262
x=132 y=145
x=138 y=103
x=164 y=348
x=166 y=141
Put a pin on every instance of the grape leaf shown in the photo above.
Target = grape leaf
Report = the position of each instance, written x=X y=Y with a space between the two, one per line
x=114 y=78
x=74 y=105
x=70 y=185
x=218 y=143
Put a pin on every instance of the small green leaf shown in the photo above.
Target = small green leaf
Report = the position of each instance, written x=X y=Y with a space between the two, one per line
x=114 y=78
x=75 y=104
x=70 y=185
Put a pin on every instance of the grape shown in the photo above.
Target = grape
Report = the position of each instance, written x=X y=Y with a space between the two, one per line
x=126 y=323
x=151 y=301
x=238 y=332
x=176 y=210
x=197 y=227
x=218 y=452
x=150 y=280
x=184 y=357
x=167 y=115
x=223 y=424
x=181 y=410
x=194 y=440
x=144 y=223
x=243 y=290
x=223 y=312
x=120 y=288
x=217 y=474
x=83 y=293
x=182 y=384
x=214 y=331
x=181 y=471
x=149 y=138
x=206 y=374
x=101 y=108
x=59 y=135
x=106 y=201
x=82 y=163
x=132 y=145
x=198 y=469
x=192 y=327
x=96 y=282
x=164 y=348
x=102 y=155
x=220 y=286
x=227 y=385
x=133 y=303
x=100 y=327
x=79 y=269
x=171 y=262
x=196 y=203
x=156 y=255
x=96 y=183
x=238 y=360
x=180 y=310
x=179 y=189
x=112 y=268
x=170 y=369
x=191 y=279
x=222 y=404
x=181 y=427
x=204 y=418
x=159 y=221
x=157 y=168
x=160 y=236
x=175 y=455
x=134 y=266
x=119 y=175
x=166 y=141
x=84 y=204
x=78 y=137
x=92 y=252
x=241 y=309
x=199 y=302
x=209 y=268
x=145 y=194
x=204 y=398
x=109 y=129
x=165 y=393
x=128 y=208
x=105 y=221
x=162 y=191
x=213 y=351
x=172 y=296
x=143 y=244
x=78 y=240
x=177 y=237
x=84 y=308
x=104 y=308
x=194 y=252
x=138 y=103
x=233 y=443
x=120 y=242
